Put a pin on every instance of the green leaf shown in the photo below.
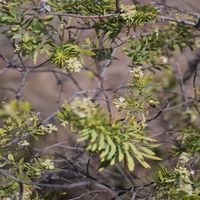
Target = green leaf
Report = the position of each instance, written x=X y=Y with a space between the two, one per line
x=94 y=147
x=11 y=157
x=17 y=36
x=83 y=138
x=112 y=147
x=141 y=137
x=93 y=136
x=146 y=150
x=101 y=142
x=2 y=131
x=113 y=161
x=120 y=154
x=130 y=162
x=104 y=152
x=35 y=56
x=151 y=156
x=142 y=162
x=160 y=175
x=135 y=151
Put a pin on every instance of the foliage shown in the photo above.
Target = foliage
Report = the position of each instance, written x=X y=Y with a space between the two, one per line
x=149 y=47
x=189 y=139
x=67 y=57
x=20 y=123
x=178 y=183
x=119 y=139
x=122 y=126
x=83 y=7
x=114 y=141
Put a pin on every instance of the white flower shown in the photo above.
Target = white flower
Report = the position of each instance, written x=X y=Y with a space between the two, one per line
x=24 y=143
x=120 y=102
x=129 y=12
x=121 y=99
x=153 y=102
x=164 y=59
x=51 y=128
x=83 y=107
x=192 y=172
x=137 y=72
x=48 y=164
x=186 y=187
x=197 y=42
x=73 y=65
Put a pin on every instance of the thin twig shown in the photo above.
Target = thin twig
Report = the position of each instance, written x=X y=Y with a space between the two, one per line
x=21 y=191
x=194 y=83
x=21 y=85
x=183 y=91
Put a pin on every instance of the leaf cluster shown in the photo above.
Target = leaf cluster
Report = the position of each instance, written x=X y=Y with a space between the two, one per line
x=113 y=140
x=20 y=124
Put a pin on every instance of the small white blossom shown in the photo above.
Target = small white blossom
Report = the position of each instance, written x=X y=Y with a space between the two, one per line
x=164 y=59
x=129 y=12
x=51 y=128
x=120 y=102
x=197 y=42
x=192 y=172
x=48 y=164
x=24 y=143
x=83 y=107
x=153 y=102
x=184 y=158
x=121 y=99
x=137 y=72
x=73 y=65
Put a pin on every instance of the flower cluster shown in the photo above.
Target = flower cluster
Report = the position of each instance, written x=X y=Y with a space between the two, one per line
x=128 y=12
x=185 y=184
x=48 y=164
x=164 y=59
x=72 y=65
x=67 y=57
x=197 y=42
x=24 y=143
x=153 y=102
x=120 y=103
x=83 y=107
x=49 y=128
x=137 y=72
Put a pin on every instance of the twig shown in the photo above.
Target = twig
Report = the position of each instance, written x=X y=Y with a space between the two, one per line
x=21 y=191
x=77 y=15
x=194 y=83
x=179 y=105
x=158 y=114
x=88 y=193
x=21 y=85
x=178 y=20
x=183 y=91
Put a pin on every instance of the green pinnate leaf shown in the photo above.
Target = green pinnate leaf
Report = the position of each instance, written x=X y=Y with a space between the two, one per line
x=130 y=161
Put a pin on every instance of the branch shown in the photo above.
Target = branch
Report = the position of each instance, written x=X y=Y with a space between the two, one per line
x=22 y=83
x=194 y=83
x=166 y=18
x=178 y=20
x=77 y=15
